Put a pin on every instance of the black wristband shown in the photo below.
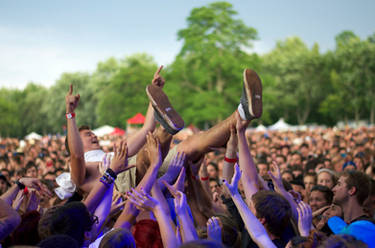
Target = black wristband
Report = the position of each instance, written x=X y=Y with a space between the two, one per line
x=111 y=173
x=20 y=185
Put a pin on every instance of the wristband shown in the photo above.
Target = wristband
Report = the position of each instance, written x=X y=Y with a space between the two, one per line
x=26 y=191
x=70 y=115
x=205 y=178
x=20 y=185
x=230 y=160
x=111 y=173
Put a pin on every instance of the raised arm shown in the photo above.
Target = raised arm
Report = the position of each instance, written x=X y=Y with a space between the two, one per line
x=279 y=188
x=9 y=219
x=77 y=160
x=130 y=212
x=230 y=155
x=137 y=140
x=246 y=162
x=118 y=164
x=145 y=202
x=186 y=225
x=256 y=230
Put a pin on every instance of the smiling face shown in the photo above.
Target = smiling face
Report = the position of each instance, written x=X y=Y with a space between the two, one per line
x=317 y=200
x=89 y=140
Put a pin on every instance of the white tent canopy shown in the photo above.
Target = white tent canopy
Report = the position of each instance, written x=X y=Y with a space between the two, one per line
x=261 y=128
x=33 y=136
x=103 y=130
x=280 y=125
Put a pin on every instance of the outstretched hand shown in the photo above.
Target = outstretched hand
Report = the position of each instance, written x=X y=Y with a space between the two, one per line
x=180 y=201
x=233 y=186
x=120 y=158
x=36 y=184
x=142 y=200
x=275 y=175
x=232 y=143
x=304 y=218
x=153 y=150
x=241 y=125
x=158 y=80
x=174 y=167
x=71 y=101
x=214 y=229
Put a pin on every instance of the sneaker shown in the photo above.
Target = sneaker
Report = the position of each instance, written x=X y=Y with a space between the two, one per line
x=251 y=99
x=164 y=112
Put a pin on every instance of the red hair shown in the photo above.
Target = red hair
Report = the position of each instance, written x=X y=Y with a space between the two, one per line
x=147 y=234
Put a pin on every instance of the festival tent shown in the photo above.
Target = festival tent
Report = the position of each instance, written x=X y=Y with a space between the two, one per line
x=137 y=119
x=103 y=130
x=118 y=131
x=261 y=128
x=33 y=136
x=280 y=125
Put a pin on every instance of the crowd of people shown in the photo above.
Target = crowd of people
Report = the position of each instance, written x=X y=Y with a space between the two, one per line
x=228 y=186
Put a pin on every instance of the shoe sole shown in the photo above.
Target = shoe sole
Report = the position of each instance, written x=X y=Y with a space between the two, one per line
x=160 y=102
x=253 y=90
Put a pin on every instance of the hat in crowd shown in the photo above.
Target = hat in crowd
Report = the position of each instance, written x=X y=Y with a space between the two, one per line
x=349 y=163
x=362 y=229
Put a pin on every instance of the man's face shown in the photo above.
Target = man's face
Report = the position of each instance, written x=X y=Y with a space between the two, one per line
x=215 y=187
x=89 y=140
x=309 y=183
x=317 y=200
x=340 y=192
x=296 y=160
x=263 y=169
x=3 y=186
x=32 y=172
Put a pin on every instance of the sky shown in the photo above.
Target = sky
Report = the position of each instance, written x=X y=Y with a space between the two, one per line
x=39 y=40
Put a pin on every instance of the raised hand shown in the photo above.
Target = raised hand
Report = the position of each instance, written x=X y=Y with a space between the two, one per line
x=142 y=200
x=275 y=175
x=233 y=186
x=120 y=159
x=232 y=143
x=153 y=150
x=117 y=204
x=71 y=101
x=304 y=218
x=174 y=167
x=37 y=185
x=214 y=229
x=158 y=80
x=33 y=201
x=241 y=125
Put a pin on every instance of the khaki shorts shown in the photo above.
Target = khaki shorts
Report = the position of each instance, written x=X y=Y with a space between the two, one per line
x=127 y=179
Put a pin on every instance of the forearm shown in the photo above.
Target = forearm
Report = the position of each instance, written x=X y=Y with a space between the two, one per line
x=127 y=217
x=228 y=168
x=11 y=193
x=9 y=219
x=256 y=230
x=102 y=212
x=96 y=195
x=291 y=201
x=187 y=229
x=246 y=163
x=166 y=227
x=77 y=167
x=137 y=140
x=149 y=178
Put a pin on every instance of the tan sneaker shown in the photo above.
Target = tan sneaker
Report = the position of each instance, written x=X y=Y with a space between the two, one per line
x=251 y=99
x=164 y=112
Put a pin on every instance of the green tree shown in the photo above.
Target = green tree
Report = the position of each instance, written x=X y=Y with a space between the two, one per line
x=207 y=73
x=353 y=77
x=125 y=93
x=10 y=124
x=54 y=105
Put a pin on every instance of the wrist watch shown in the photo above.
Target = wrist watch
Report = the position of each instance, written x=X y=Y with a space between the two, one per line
x=20 y=185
